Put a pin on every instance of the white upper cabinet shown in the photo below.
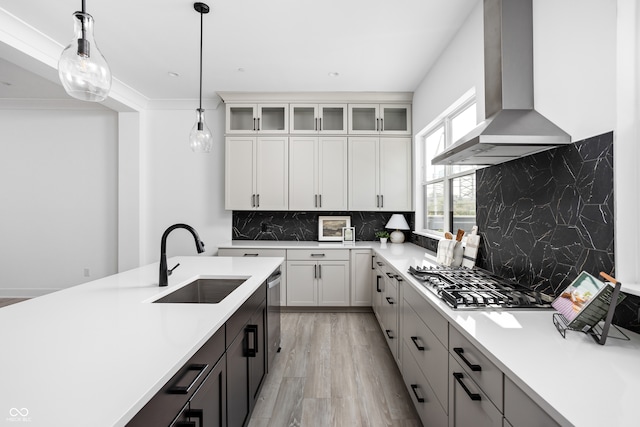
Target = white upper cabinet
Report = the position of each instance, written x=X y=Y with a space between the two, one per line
x=388 y=119
x=380 y=174
x=256 y=173
x=318 y=173
x=257 y=118
x=318 y=118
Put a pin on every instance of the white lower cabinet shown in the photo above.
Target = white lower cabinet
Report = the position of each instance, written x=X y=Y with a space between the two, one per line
x=390 y=314
x=318 y=278
x=469 y=405
x=521 y=411
x=424 y=398
x=361 y=273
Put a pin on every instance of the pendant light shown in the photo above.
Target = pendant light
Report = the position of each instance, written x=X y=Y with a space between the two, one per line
x=200 y=139
x=82 y=69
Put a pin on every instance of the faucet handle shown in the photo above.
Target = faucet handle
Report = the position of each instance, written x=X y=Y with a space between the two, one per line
x=171 y=269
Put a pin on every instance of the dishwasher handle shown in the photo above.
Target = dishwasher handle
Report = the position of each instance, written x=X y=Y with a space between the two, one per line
x=274 y=280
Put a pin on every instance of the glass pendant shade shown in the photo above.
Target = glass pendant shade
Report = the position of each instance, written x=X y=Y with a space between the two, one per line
x=200 y=139
x=82 y=69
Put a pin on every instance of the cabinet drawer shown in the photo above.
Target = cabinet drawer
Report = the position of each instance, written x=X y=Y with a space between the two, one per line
x=468 y=404
x=486 y=374
x=422 y=396
x=429 y=353
x=318 y=254
x=438 y=325
x=521 y=411
x=253 y=252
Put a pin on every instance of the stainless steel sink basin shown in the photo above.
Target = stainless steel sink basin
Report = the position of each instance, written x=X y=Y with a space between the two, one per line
x=203 y=291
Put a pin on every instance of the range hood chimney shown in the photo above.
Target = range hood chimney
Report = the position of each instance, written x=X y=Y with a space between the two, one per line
x=513 y=128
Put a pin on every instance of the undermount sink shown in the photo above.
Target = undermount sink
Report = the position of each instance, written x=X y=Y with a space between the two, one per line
x=203 y=291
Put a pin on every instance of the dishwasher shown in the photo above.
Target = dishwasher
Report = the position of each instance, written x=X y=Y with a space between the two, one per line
x=273 y=316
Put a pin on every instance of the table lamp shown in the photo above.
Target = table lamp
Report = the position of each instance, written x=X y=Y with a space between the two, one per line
x=398 y=223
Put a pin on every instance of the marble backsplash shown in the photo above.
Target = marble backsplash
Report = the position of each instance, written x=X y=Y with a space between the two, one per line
x=303 y=226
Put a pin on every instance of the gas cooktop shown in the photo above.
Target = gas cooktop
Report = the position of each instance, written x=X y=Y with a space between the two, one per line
x=464 y=288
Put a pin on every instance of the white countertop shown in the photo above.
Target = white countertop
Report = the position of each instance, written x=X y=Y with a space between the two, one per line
x=575 y=380
x=99 y=351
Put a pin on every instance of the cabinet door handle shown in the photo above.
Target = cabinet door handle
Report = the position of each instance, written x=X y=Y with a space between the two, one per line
x=254 y=123
x=176 y=389
x=258 y=124
x=390 y=300
x=315 y=125
x=378 y=283
x=250 y=255
x=382 y=200
x=320 y=199
x=473 y=396
x=251 y=351
x=414 y=388
x=315 y=202
x=253 y=200
x=460 y=352
x=377 y=200
x=377 y=124
x=315 y=271
x=372 y=258
x=319 y=272
x=415 y=342
x=381 y=124
x=257 y=200
x=389 y=333
x=320 y=121
x=195 y=413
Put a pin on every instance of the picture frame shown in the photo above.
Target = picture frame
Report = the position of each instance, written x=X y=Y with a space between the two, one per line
x=330 y=227
x=348 y=235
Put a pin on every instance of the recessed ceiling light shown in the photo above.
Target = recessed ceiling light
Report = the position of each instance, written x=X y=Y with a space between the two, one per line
x=334 y=74
x=6 y=83
x=173 y=74
x=241 y=70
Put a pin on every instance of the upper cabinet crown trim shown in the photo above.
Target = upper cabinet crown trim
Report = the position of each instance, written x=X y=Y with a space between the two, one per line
x=317 y=97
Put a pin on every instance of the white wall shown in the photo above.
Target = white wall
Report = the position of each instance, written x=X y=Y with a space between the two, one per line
x=179 y=186
x=574 y=67
x=58 y=198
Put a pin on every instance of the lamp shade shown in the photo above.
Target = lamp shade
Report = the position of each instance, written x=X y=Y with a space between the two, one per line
x=398 y=223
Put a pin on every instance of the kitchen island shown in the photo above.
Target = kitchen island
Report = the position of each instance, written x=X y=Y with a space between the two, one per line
x=94 y=354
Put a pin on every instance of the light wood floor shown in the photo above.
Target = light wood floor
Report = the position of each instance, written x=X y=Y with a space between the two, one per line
x=8 y=301
x=335 y=369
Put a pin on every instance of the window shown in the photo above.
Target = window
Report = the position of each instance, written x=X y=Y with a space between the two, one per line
x=448 y=196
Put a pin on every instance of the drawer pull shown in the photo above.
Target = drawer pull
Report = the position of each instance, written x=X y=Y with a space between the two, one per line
x=389 y=334
x=414 y=388
x=389 y=300
x=176 y=389
x=415 y=342
x=391 y=276
x=196 y=413
x=250 y=255
x=379 y=263
x=460 y=352
x=473 y=396
x=251 y=351
x=378 y=283
x=317 y=255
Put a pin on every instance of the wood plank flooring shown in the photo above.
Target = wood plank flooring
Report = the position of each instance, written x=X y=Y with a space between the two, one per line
x=335 y=369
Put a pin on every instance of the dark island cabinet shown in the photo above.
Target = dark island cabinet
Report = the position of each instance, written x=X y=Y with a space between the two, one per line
x=219 y=385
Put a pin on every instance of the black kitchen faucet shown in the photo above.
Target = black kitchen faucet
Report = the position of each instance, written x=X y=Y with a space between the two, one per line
x=164 y=272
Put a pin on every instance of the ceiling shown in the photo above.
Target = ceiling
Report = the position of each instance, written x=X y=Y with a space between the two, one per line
x=251 y=45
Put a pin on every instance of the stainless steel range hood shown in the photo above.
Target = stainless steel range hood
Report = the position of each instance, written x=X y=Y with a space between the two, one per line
x=513 y=128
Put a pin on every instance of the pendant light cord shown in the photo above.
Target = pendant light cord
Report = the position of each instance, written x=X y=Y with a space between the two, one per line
x=201 y=16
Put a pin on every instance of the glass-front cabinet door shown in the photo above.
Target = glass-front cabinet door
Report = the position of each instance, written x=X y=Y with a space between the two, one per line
x=318 y=118
x=257 y=118
x=389 y=119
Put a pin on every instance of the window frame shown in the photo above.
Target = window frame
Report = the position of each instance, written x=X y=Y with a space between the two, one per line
x=443 y=120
